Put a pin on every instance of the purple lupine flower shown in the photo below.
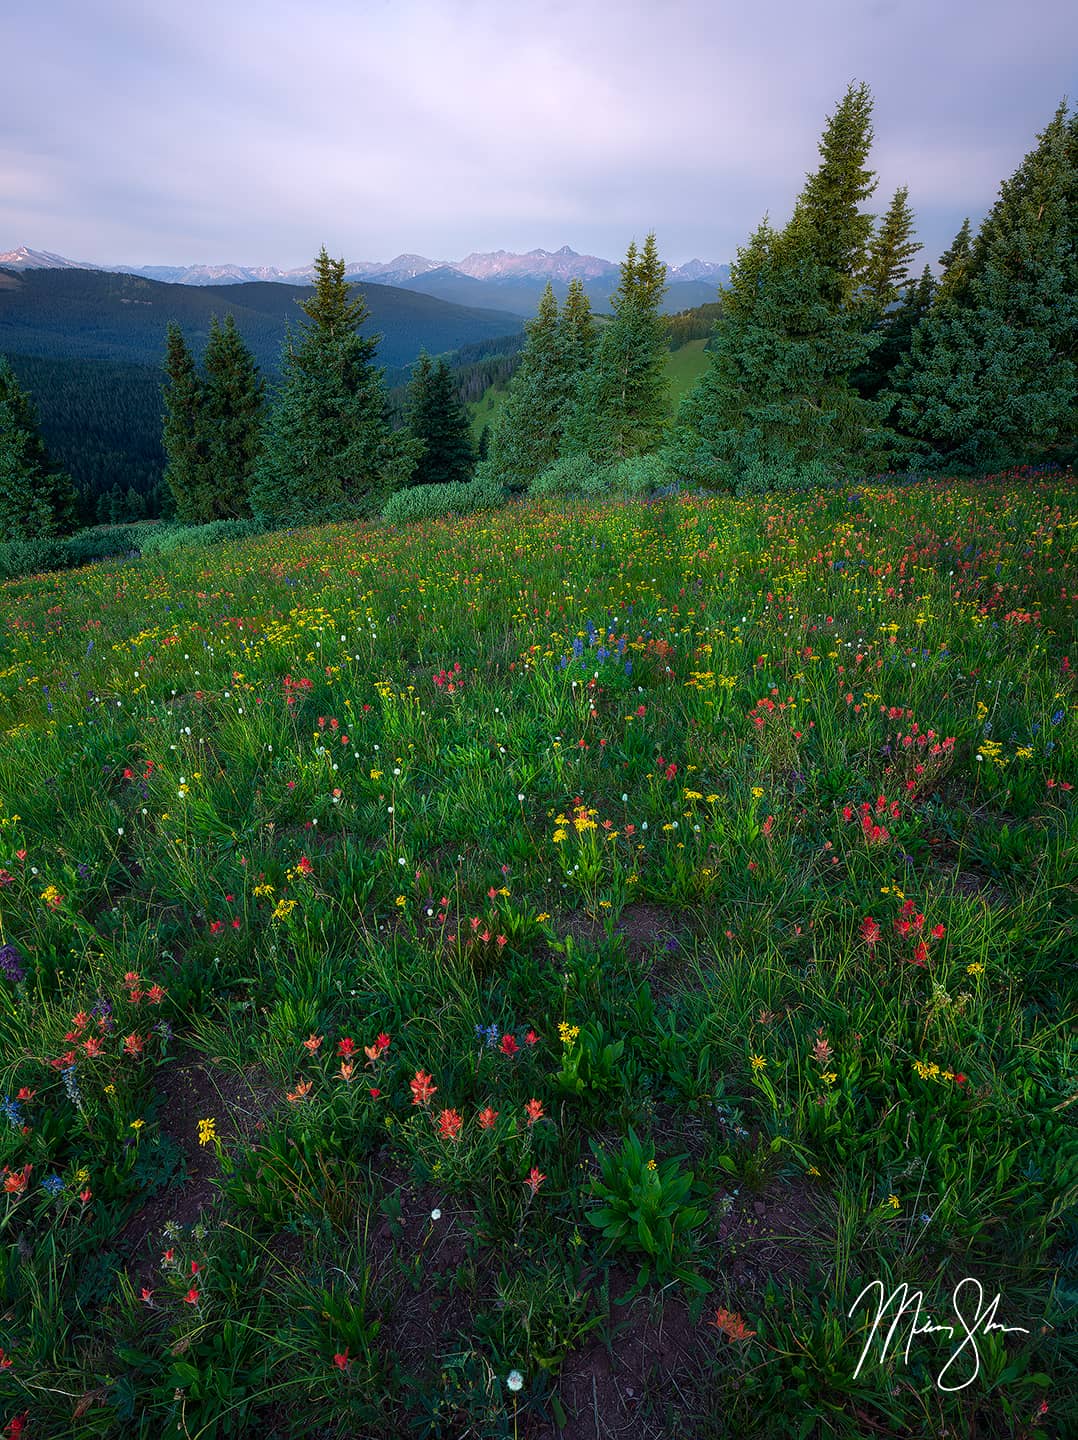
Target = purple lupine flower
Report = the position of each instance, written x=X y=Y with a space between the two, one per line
x=11 y=963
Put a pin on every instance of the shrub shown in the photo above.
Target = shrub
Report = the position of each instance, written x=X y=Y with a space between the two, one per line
x=164 y=539
x=30 y=557
x=87 y=546
x=639 y=475
x=760 y=477
x=574 y=475
x=433 y=502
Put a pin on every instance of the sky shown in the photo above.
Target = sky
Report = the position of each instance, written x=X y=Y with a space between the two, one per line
x=213 y=131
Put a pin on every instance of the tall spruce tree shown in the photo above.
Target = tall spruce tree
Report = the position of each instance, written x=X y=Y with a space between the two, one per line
x=231 y=420
x=37 y=498
x=892 y=306
x=829 y=210
x=890 y=251
x=795 y=326
x=438 y=420
x=527 y=434
x=576 y=331
x=777 y=394
x=184 y=433
x=328 y=452
x=991 y=375
x=622 y=404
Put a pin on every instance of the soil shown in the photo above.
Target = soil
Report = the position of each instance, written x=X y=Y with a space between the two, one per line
x=193 y=1089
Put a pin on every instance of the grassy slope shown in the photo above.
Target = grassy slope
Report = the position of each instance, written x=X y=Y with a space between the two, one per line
x=232 y=773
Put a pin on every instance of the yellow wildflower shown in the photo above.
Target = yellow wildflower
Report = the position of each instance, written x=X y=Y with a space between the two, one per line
x=758 y=1063
x=207 y=1130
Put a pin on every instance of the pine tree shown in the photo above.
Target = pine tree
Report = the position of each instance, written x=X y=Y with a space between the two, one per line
x=231 y=420
x=890 y=251
x=828 y=208
x=328 y=452
x=37 y=499
x=184 y=433
x=954 y=264
x=623 y=399
x=777 y=394
x=528 y=432
x=577 y=335
x=991 y=375
x=134 y=507
x=438 y=420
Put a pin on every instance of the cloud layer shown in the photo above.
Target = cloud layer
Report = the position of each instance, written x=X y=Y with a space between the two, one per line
x=235 y=131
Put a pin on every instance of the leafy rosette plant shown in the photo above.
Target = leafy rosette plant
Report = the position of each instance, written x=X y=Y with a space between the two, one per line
x=645 y=1210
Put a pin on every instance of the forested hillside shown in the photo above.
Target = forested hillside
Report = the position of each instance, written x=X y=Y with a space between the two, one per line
x=88 y=347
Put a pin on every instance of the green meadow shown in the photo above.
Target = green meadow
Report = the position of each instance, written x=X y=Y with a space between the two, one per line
x=533 y=974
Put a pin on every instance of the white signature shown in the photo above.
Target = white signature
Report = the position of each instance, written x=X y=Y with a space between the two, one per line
x=910 y=1305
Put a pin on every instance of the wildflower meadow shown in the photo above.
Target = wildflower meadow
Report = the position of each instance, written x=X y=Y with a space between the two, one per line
x=553 y=972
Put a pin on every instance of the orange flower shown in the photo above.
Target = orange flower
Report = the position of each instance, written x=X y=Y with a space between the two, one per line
x=155 y=994
x=534 y=1111
x=449 y=1123
x=15 y=1180
x=346 y=1070
x=93 y=1046
x=342 y=1361
x=421 y=1088
x=535 y=1179
x=300 y=1092
x=133 y=1045
x=191 y=1298
x=732 y=1325
x=487 y=1118
x=313 y=1042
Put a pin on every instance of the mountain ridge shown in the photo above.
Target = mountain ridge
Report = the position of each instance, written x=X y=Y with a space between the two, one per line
x=491 y=265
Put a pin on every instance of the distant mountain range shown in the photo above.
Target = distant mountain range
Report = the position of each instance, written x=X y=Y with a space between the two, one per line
x=498 y=279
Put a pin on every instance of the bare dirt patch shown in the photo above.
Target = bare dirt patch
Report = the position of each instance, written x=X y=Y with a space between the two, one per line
x=645 y=1367
x=193 y=1090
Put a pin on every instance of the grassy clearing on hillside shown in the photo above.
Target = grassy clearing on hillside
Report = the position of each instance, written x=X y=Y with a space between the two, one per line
x=685 y=365
x=528 y=976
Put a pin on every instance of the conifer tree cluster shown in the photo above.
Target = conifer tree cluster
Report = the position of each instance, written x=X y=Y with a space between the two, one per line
x=581 y=391
x=438 y=420
x=37 y=499
x=828 y=357
x=212 y=425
